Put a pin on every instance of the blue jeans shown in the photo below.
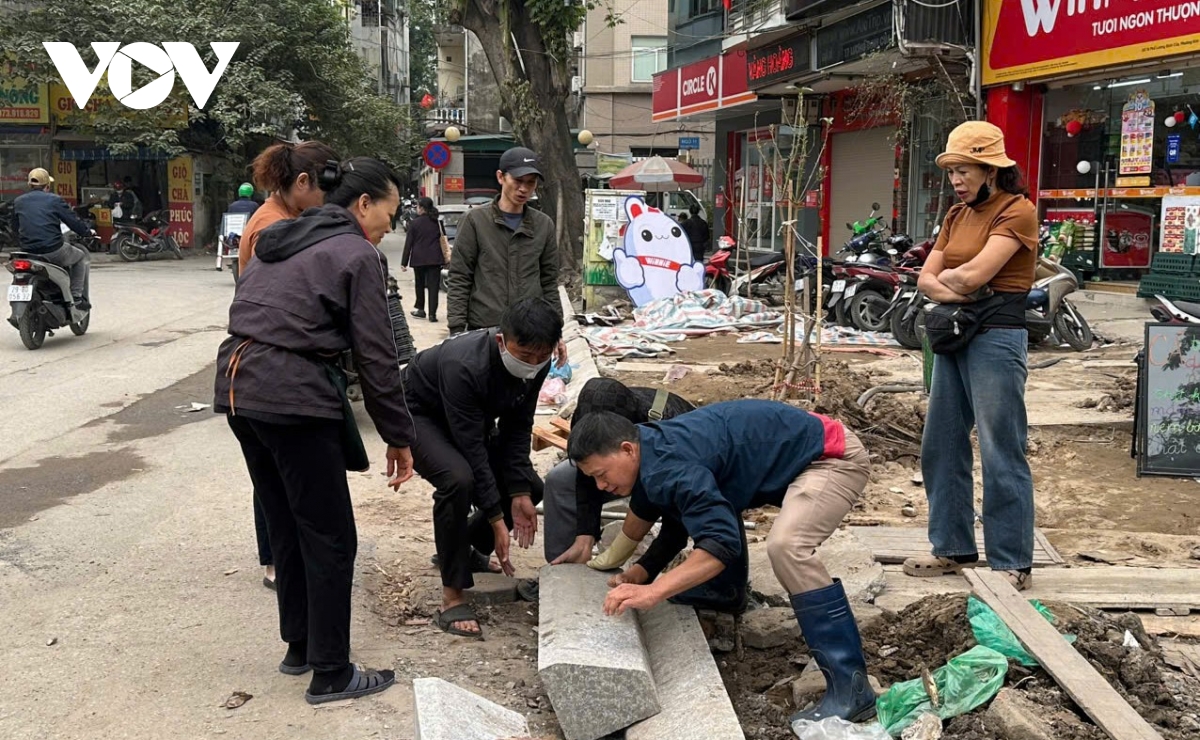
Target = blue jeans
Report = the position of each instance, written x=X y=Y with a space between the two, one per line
x=981 y=386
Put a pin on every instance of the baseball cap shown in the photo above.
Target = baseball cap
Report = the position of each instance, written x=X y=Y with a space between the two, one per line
x=39 y=177
x=520 y=162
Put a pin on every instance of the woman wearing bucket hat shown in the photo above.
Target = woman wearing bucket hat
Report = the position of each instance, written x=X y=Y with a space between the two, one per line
x=987 y=247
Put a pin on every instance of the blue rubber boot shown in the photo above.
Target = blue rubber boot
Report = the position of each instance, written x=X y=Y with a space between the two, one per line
x=832 y=635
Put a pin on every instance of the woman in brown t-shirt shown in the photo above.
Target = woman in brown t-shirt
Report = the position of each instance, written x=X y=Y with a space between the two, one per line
x=988 y=240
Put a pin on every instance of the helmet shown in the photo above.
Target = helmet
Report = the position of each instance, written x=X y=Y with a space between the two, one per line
x=245 y=190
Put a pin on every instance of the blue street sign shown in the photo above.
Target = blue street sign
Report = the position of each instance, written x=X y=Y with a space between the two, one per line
x=1173 y=148
x=689 y=142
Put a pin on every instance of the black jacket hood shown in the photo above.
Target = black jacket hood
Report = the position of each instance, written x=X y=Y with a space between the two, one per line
x=288 y=238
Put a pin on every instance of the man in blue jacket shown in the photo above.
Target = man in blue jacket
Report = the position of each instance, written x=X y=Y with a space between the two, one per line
x=705 y=468
x=37 y=216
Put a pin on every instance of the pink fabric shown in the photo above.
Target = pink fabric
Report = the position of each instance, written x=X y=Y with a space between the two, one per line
x=835 y=437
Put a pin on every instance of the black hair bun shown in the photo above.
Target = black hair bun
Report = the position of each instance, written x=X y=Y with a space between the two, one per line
x=331 y=175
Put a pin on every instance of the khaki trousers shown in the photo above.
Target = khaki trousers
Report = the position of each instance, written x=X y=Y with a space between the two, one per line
x=814 y=506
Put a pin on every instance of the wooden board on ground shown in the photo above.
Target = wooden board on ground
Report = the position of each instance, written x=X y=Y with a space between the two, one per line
x=1182 y=655
x=546 y=437
x=895 y=544
x=1173 y=626
x=1110 y=587
x=1074 y=674
x=646 y=366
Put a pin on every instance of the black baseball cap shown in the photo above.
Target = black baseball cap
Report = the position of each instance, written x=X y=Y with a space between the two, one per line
x=520 y=162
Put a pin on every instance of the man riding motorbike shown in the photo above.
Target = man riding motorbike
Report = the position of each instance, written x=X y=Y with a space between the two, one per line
x=37 y=216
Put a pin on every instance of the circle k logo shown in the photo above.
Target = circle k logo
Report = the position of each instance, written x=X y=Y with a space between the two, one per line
x=706 y=83
x=164 y=61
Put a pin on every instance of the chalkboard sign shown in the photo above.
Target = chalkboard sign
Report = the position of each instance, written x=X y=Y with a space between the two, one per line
x=1168 y=423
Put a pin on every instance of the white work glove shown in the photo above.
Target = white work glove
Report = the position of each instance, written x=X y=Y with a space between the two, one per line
x=616 y=555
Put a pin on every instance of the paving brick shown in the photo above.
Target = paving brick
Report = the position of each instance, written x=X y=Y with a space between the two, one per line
x=447 y=712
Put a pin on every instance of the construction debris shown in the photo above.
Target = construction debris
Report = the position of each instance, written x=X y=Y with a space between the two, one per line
x=447 y=712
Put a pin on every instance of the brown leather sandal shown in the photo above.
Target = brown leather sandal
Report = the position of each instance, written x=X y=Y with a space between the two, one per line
x=931 y=566
x=1020 y=581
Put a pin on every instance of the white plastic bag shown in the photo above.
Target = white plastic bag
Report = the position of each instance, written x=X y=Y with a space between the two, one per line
x=833 y=728
x=117 y=212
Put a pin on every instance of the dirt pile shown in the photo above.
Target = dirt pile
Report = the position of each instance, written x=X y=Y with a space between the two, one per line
x=931 y=631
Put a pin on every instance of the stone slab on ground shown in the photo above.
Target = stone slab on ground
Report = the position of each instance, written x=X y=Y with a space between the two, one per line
x=447 y=712
x=595 y=668
x=695 y=704
x=770 y=627
x=843 y=555
x=1016 y=718
x=493 y=588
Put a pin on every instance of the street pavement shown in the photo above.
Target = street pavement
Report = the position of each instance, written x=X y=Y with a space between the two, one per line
x=126 y=534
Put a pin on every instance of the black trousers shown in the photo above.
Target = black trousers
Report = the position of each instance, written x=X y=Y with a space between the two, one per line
x=299 y=474
x=428 y=278
x=455 y=528
x=260 y=534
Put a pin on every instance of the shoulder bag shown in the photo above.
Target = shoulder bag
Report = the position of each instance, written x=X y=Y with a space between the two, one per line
x=444 y=243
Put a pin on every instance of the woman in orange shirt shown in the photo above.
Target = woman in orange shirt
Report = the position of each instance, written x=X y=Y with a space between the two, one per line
x=289 y=173
x=988 y=240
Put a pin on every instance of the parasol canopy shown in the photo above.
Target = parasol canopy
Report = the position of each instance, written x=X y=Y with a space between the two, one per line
x=657 y=175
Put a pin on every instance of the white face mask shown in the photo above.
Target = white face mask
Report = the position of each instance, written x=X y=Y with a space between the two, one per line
x=519 y=368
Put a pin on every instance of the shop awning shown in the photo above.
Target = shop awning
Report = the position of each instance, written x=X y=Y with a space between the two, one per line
x=713 y=84
x=104 y=153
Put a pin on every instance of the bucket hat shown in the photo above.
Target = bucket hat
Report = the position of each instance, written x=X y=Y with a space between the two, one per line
x=975 y=142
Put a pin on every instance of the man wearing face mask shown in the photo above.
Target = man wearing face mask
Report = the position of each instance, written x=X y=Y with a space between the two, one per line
x=472 y=400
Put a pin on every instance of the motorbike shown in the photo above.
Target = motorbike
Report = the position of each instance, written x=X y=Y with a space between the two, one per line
x=40 y=299
x=1047 y=310
x=717 y=274
x=866 y=244
x=149 y=236
x=864 y=293
x=1175 y=312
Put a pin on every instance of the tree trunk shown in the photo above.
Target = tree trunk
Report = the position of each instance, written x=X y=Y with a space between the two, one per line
x=534 y=87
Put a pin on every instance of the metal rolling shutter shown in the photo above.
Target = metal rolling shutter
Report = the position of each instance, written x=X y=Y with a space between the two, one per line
x=863 y=171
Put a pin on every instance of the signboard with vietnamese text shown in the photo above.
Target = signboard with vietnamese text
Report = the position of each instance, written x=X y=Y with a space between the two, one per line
x=453 y=184
x=65 y=111
x=24 y=102
x=853 y=38
x=179 y=184
x=1032 y=39
x=64 y=178
x=779 y=62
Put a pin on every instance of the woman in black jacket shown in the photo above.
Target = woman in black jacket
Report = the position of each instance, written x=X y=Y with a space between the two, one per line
x=423 y=252
x=318 y=286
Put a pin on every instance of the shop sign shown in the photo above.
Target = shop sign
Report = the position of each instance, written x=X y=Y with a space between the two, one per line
x=23 y=102
x=453 y=184
x=855 y=37
x=797 y=9
x=64 y=178
x=1137 y=135
x=1031 y=39
x=179 y=184
x=63 y=108
x=1174 y=141
x=712 y=84
x=779 y=62
x=611 y=164
x=1161 y=191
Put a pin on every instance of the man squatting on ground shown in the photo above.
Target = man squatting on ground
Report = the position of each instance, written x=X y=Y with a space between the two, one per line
x=704 y=469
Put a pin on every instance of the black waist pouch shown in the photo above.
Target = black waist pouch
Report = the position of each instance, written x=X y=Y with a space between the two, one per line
x=352 y=443
x=950 y=327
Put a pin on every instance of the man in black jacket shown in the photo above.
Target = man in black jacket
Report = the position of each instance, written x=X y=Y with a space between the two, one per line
x=472 y=399
x=698 y=234
x=37 y=216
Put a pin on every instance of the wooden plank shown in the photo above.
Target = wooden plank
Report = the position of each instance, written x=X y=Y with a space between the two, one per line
x=544 y=438
x=1074 y=674
x=563 y=425
x=1111 y=587
x=1184 y=656
x=893 y=545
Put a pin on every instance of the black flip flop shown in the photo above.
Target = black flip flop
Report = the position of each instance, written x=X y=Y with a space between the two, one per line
x=362 y=683
x=269 y=583
x=480 y=563
x=460 y=613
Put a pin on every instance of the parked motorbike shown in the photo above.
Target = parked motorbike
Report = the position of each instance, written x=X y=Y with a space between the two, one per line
x=717 y=275
x=1047 y=310
x=40 y=299
x=868 y=291
x=151 y=235
x=866 y=244
x=1176 y=312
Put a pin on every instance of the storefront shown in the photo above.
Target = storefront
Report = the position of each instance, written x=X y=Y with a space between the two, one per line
x=24 y=131
x=1108 y=101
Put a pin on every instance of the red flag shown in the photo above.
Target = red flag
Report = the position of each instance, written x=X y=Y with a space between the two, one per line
x=728 y=5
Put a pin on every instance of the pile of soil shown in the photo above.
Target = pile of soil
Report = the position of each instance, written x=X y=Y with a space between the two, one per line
x=933 y=630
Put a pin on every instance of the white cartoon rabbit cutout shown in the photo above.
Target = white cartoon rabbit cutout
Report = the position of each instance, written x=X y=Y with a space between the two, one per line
x=655 y=260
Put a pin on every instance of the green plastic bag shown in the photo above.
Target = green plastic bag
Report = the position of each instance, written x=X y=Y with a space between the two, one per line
x=965 y=682
x=991 y=631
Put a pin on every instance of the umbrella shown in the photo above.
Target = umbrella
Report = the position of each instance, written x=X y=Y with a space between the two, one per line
x=657 y=175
